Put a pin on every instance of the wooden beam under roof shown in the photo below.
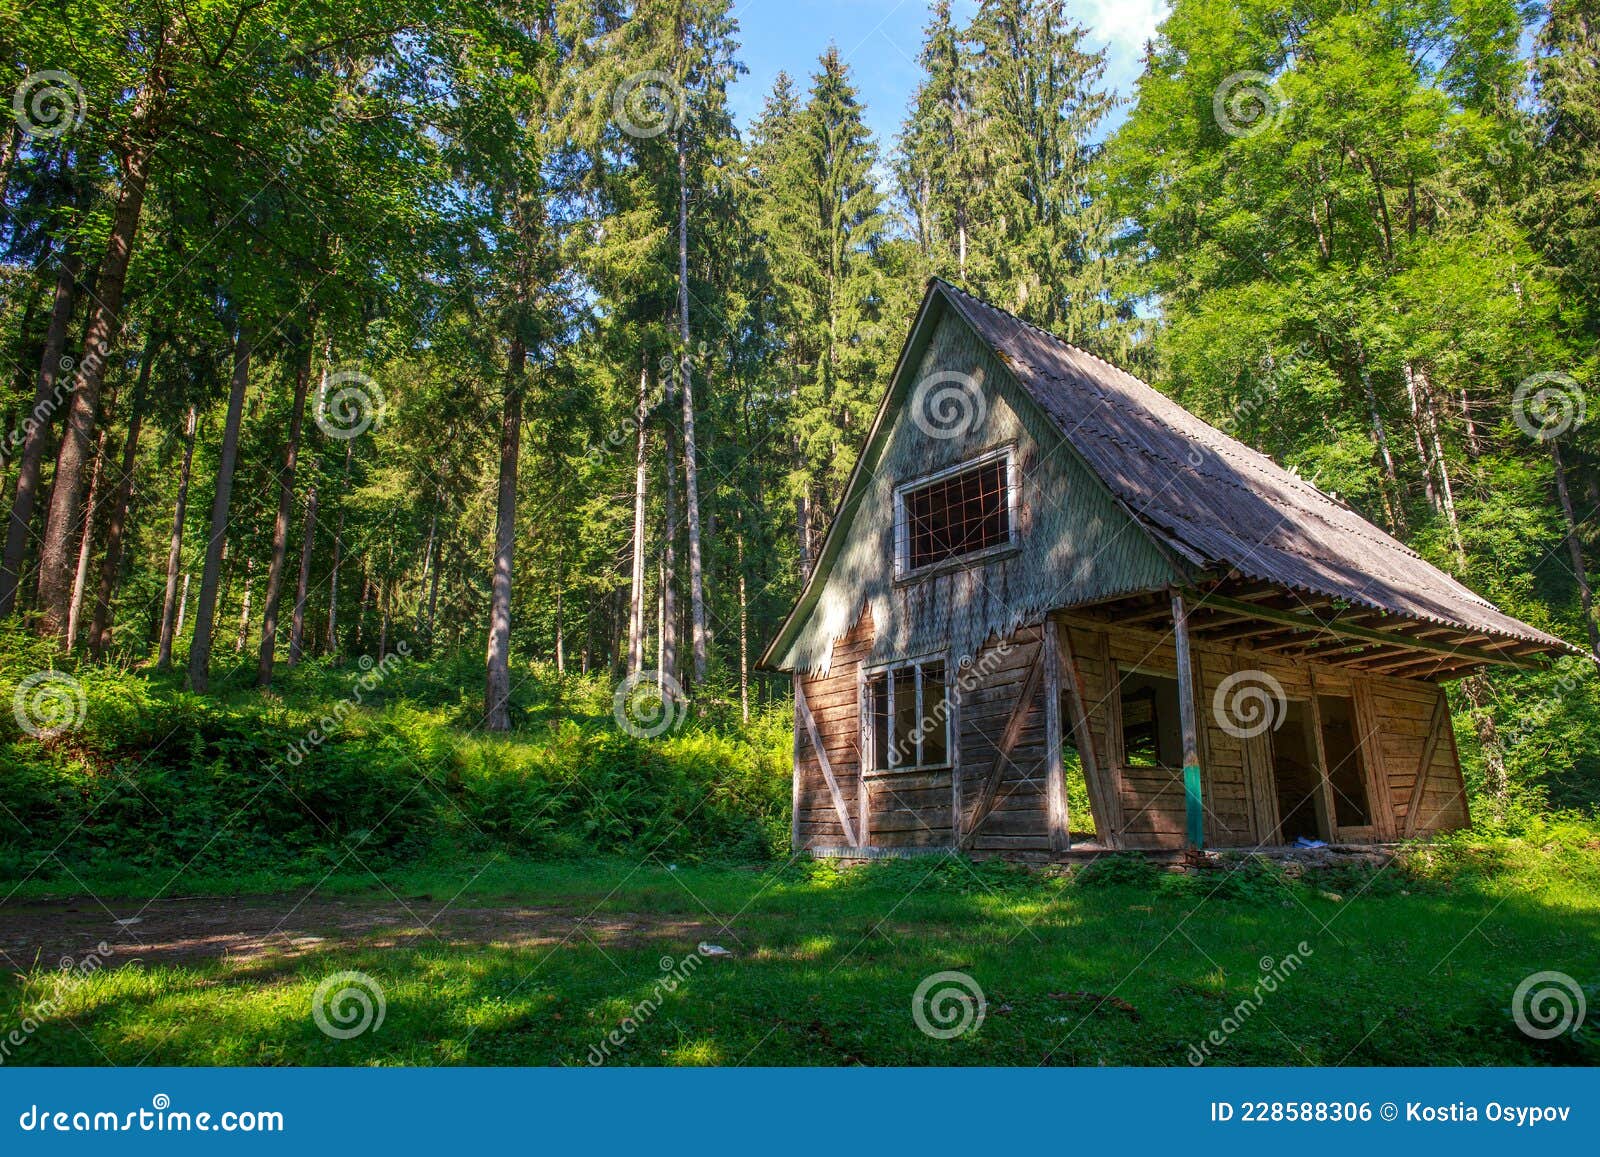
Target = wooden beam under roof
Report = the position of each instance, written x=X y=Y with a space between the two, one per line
x=1351 y=630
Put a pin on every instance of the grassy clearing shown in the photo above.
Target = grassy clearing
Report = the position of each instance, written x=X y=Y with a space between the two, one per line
x=1412 y=966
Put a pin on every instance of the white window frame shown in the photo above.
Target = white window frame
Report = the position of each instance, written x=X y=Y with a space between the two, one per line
x=902 y=526
x=869 y=715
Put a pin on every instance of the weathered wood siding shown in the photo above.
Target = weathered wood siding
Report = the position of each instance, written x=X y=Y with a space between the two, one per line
x=936 y=808
x=1392 y=719
x=1015 y=821
x=1075 y=542
x=832 y=699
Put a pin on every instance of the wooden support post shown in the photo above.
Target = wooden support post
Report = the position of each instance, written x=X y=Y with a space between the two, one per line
x=1193 y=804
x=803 y=709
x=1055 y=777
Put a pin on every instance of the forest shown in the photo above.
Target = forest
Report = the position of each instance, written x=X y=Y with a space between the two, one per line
x=471 y=360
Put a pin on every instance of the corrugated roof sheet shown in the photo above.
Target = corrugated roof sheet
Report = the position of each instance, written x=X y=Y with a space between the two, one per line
x=1218 y=499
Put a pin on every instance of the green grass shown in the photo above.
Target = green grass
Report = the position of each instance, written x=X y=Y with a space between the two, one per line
x=1410 y=966
x=408 y=807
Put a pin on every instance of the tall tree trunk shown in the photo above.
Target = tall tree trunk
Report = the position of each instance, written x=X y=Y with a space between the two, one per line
x=280 y=525
x=384 y=595
x=744 y=641
x=561 y=579
x=244 y=608
x=497 y=696
x=669 y=558
x=429 y=564
x=169 y=625
x=1393 y=496
x=802 y=535
x=691 y=473
x=641 y=476
x=338 y=553
x=297 y=620
x=80 y=574
x=183 y=602
x=1446 y=494
x=66 y=492
x=1496 y=782
x=433 y=593
x=1416 y=430
x=111 y=565
x=36 y=428
x=1575 y=547
x=205 y=610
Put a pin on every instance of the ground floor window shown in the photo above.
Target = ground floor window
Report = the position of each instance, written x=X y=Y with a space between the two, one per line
x=908 y=717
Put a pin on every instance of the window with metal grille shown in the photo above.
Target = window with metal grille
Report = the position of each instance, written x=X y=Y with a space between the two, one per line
x=957 y=513
x=909 y=717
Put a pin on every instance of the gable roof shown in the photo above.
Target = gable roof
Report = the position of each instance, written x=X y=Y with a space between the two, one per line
x=1208 y=498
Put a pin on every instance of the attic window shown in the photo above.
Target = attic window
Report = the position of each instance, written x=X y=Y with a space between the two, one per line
x=963 y=511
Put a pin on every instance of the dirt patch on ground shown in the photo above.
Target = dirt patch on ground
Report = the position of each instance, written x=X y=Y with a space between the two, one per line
x=192 y=930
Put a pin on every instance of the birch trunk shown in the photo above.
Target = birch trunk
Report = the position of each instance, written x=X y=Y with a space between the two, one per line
x=744 y=641
x=1416 y=430
x=243 y=632
x=80 y=574
x=1446 y=494
x=205 y=611
x=170 y=626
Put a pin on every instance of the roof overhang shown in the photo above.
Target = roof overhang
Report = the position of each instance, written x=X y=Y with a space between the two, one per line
x=1301 y=626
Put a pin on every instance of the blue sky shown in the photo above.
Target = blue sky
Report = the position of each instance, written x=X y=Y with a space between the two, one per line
x=880 y=40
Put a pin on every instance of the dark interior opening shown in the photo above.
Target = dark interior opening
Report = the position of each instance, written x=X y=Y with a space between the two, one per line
x=1346 y=771
x=1294 y=771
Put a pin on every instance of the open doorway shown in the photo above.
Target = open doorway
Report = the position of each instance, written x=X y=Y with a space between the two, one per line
x=1347 y=774
x=1297 y=778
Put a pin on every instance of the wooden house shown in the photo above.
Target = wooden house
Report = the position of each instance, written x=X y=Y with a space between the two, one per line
x=1047 y=580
